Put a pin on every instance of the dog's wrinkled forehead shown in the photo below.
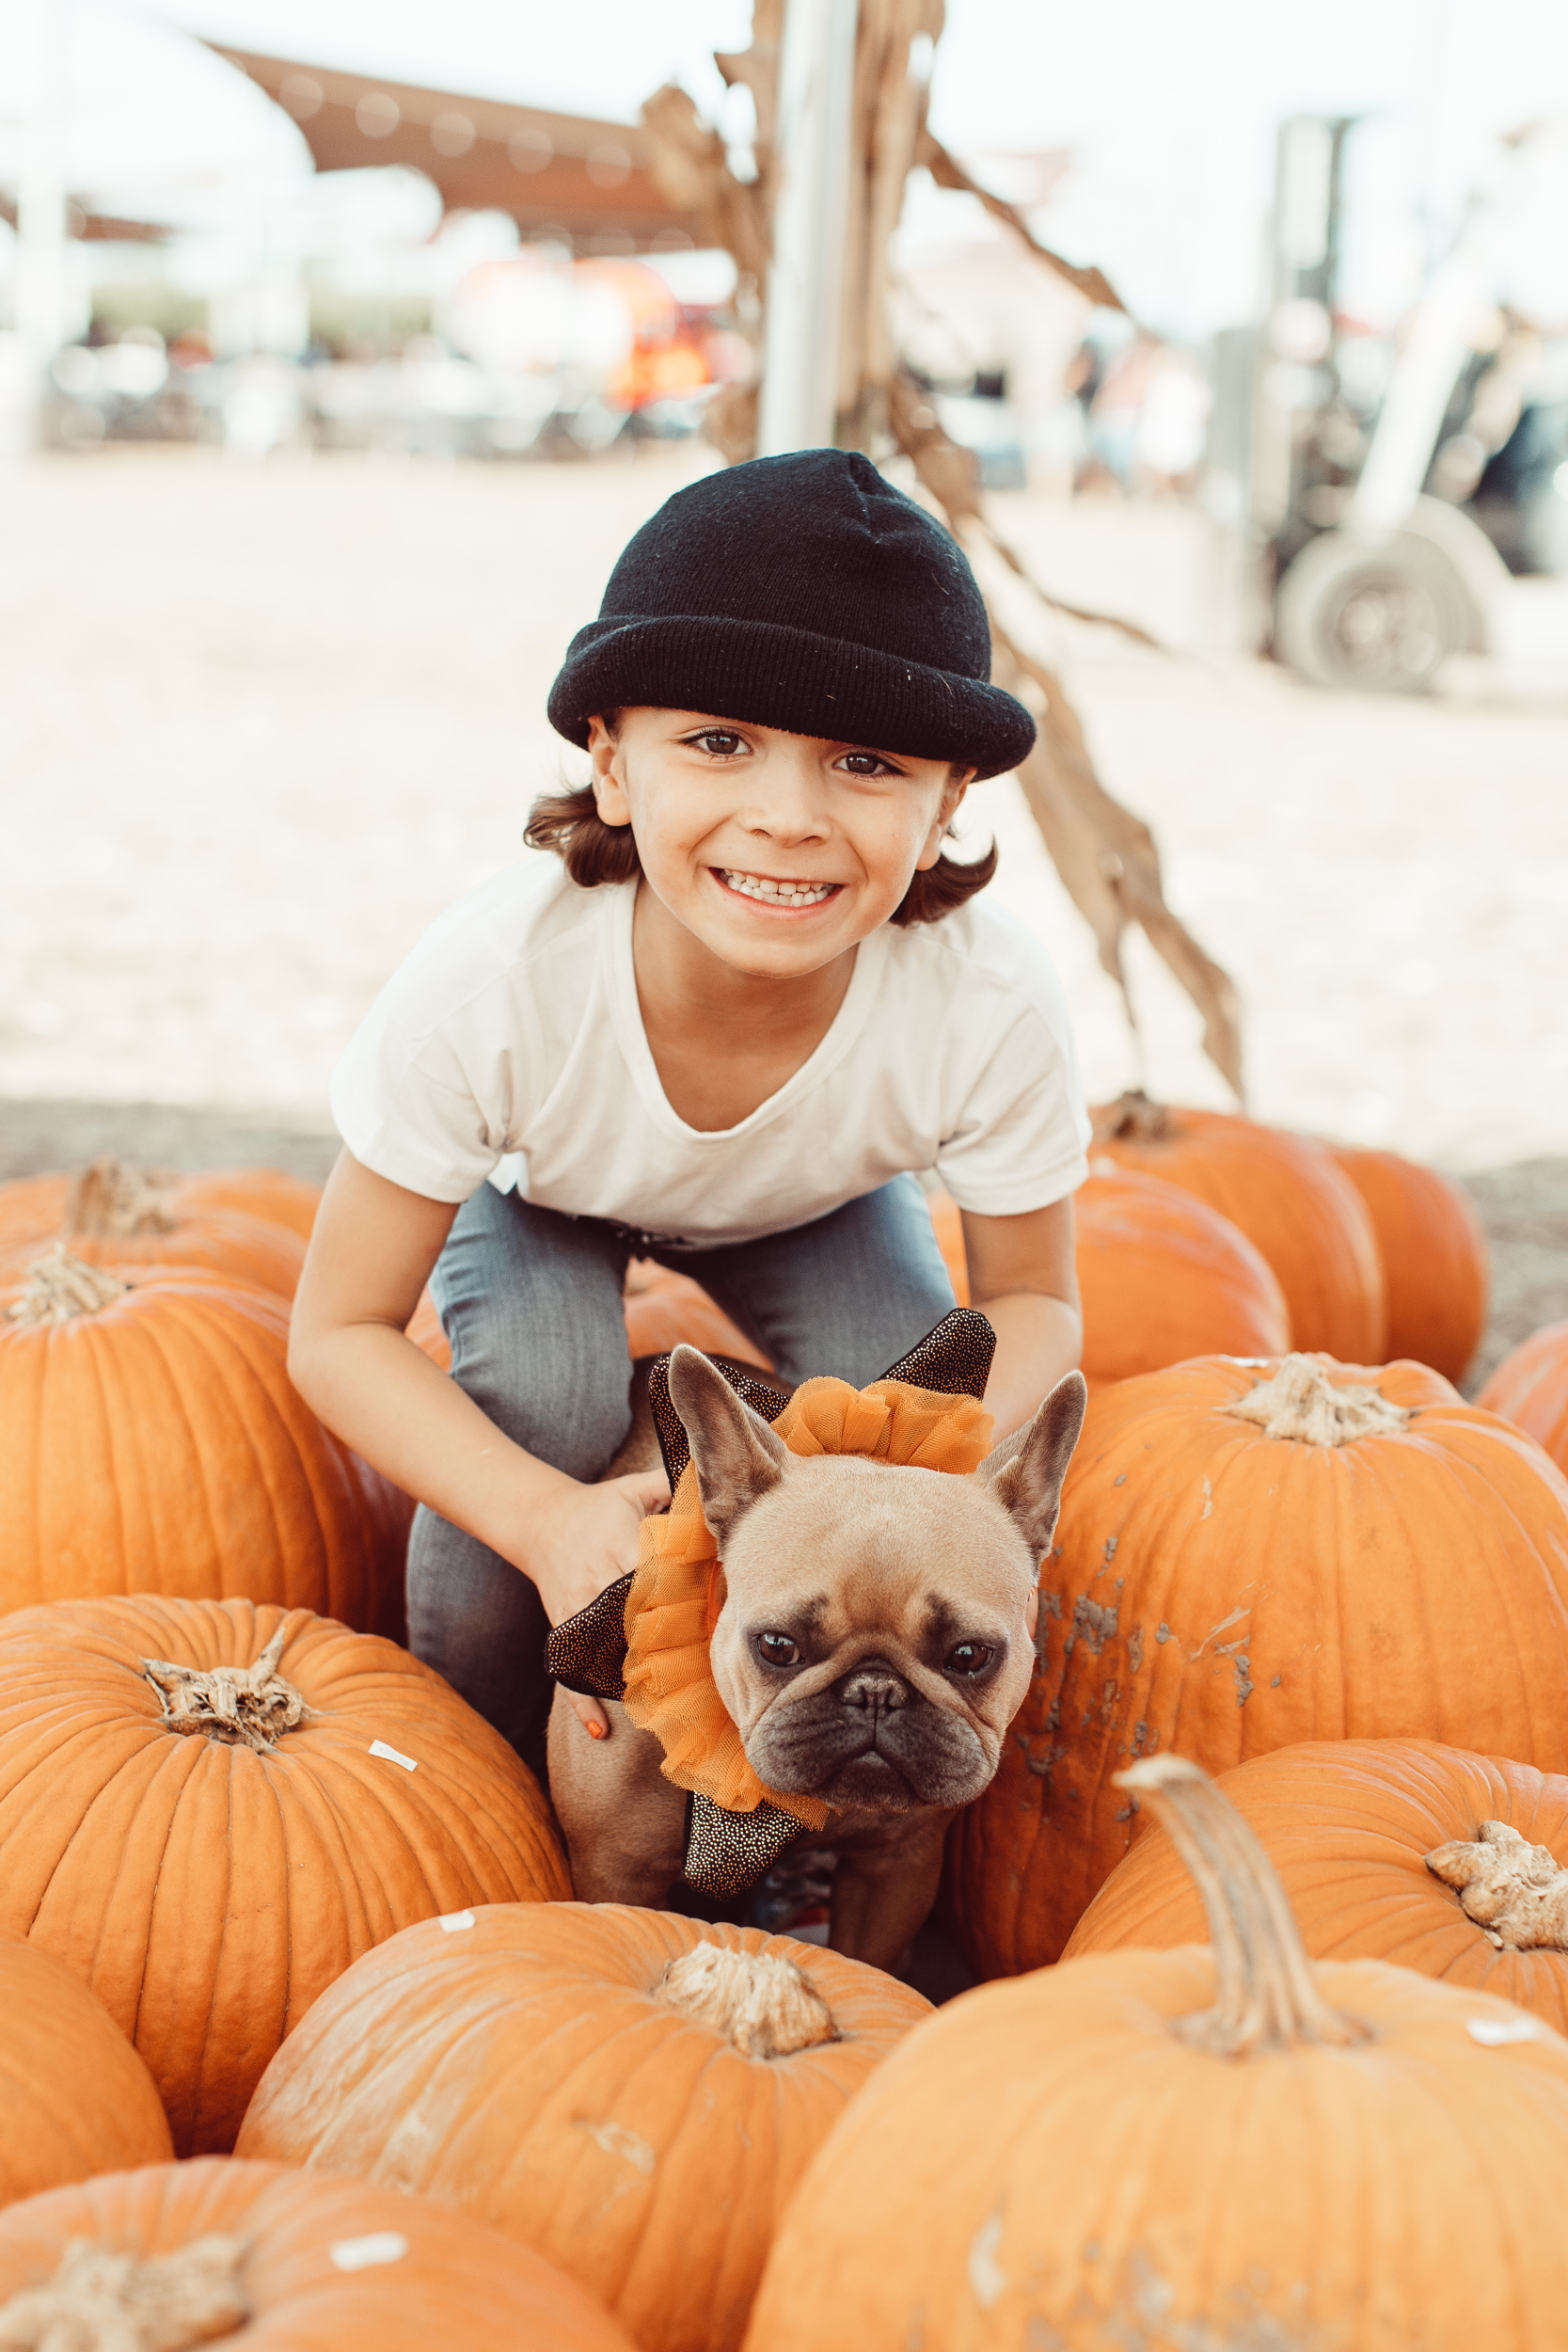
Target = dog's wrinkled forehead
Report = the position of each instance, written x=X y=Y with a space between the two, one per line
x=858 y=1544
x=842 y=1523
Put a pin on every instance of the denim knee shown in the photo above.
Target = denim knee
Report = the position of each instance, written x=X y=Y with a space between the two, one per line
x=531 y=1302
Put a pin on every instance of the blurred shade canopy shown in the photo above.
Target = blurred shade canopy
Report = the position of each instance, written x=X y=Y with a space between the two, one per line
x=1170 y=112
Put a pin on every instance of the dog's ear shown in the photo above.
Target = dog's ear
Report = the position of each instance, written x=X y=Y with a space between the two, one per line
x=735 y=1454
x=1026 y=1470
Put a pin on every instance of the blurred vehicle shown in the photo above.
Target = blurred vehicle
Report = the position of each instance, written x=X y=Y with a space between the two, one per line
x=1172 y=426
x=1398 y=492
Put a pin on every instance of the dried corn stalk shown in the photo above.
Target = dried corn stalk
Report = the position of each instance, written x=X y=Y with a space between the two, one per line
x=1106 y=856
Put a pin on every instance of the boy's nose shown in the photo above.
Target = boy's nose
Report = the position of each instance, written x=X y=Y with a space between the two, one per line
x=786 y=803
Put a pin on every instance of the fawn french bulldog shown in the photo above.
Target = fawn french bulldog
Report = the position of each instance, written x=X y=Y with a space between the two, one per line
x=876 y=1641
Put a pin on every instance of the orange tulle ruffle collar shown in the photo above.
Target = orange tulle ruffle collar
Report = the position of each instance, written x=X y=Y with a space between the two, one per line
x=678 y=1589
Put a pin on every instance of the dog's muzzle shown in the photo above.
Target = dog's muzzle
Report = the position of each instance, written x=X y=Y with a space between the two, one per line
x=874 y=1691
x=871 y=1738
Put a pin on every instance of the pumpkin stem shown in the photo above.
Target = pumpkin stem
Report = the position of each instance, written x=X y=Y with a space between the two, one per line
x=1268 y=1996
x=1302 y=1403
x=60 y=1287
x=110 y=1202
x=249 y=1707
x=1513 y=1889
x=1133 y=1117
x=761 y=2002
x=100 y=2302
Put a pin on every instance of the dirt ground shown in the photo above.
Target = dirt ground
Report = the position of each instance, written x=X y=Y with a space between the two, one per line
x=257 y=724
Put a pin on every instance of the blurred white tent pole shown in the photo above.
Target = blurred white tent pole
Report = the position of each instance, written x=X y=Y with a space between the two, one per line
x=40 y=208
x=816 y=77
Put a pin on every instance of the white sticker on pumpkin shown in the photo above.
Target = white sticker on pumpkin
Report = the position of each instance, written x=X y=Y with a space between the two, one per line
x=455 y=1921
x=987 y=2277
x=366 y=2254
x=394 y=1756
x=1493 y=2032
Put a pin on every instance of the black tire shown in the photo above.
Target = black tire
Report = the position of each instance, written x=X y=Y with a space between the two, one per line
x=1371 y=618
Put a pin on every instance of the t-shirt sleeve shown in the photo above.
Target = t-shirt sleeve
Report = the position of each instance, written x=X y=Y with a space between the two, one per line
x=1022 y=1139
x=430 y=1107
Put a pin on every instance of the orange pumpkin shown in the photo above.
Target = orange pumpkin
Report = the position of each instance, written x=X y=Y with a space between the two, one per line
x=33 y=1205
x=633 y=2094
x=1359 y=1832
x=75 y=2097
x=1529 y=1388
x=111 y=1214
x=177 y=2255
x=663 y=1308
x=152 y=1441
x=264 y=1192
x=1283 y=1192
x=1433 y=1252
x=209 y=1810
x=1202 y=2148
x=1250 y=1555
x=947 y=1225
x=1162 y=1276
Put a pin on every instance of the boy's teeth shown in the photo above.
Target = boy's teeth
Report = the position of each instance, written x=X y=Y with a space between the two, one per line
x=783 y=894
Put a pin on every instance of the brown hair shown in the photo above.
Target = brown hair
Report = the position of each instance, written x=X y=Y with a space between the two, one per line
x=570 y=824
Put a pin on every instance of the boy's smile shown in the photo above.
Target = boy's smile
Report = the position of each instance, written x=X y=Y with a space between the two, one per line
x=771 y=890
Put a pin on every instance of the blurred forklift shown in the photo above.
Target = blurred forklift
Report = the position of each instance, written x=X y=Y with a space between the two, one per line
x=1388 y=502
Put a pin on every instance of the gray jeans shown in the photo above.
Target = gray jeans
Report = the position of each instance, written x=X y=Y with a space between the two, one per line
x=531 y=1301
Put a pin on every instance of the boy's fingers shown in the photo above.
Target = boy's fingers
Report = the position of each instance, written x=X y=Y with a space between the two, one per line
x=589 y=1714
x=651 y=1489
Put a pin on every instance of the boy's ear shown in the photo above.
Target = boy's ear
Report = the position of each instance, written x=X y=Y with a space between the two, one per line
x=958 y=782
x=609 y=793
x=736 y=1456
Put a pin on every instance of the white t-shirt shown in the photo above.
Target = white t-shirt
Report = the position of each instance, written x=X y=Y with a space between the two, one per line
x=510 y=1045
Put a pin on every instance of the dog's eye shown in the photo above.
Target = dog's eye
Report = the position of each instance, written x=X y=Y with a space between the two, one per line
x=969 y=1658
x=777 y=1649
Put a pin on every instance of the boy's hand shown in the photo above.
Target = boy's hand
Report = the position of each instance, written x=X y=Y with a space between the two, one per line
x=583 y=1543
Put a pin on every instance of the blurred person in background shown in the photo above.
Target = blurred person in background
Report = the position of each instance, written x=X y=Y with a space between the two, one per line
x=1172 y=423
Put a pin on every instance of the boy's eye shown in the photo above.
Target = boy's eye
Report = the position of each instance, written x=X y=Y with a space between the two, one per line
x=868 y=764
x=719 y=743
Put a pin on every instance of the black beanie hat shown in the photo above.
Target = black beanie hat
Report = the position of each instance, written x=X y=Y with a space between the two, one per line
x=804 y=592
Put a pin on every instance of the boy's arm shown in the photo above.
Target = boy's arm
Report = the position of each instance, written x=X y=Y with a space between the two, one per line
x=1021 y=1275
x=370 y=1254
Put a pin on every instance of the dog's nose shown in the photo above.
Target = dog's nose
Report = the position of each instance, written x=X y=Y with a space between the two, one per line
x=875 y=1688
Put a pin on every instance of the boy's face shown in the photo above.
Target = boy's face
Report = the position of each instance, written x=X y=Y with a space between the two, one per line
x=777 y=851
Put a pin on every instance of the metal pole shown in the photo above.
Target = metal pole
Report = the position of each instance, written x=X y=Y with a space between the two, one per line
x=40 y=208
x=1418 y=393
x=816 y=78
